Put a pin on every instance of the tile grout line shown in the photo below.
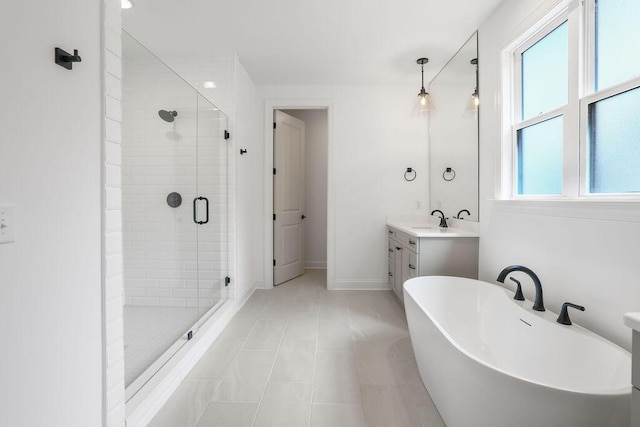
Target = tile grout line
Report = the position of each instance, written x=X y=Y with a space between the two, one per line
x=315 y=368
x=226 y=373
x=273 y=364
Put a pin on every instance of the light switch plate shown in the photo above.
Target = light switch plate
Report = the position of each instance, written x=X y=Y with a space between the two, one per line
x=7 y=224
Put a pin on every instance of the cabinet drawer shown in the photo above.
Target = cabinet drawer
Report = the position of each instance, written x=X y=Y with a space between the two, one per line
x=407 y=240
x=391 y=233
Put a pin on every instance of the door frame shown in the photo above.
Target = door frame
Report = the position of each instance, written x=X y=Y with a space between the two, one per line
x=296 y=104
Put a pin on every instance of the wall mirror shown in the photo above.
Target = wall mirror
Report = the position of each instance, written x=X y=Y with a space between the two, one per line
x=453 y=134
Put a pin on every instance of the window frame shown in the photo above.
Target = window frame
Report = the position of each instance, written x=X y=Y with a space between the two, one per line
x=585 y=154
x=517 y=122
x=581 y=19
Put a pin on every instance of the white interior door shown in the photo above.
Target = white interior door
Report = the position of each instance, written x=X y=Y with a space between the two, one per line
x=288 y=197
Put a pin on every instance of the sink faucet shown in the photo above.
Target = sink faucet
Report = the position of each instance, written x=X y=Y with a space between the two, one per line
x=443 y=220
x=463 y=210
x=538 y=305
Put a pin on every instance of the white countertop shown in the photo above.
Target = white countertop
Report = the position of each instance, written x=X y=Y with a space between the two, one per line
x=632 y=320
x=425 y=226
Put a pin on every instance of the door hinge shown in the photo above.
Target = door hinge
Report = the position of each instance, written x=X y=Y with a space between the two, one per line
x=227 y=135
x=274 y=262
x=274 y=125
x=227 y=280
x=274 y=171
x=274 y=217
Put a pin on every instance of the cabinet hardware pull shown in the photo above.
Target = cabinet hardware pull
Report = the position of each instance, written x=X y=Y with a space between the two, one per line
x=398 y=248
x=412 y=267
x=390 y=250
x=411 y=242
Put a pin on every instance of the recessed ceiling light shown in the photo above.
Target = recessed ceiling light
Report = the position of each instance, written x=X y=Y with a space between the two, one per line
x=126 y=4
x=209 y=85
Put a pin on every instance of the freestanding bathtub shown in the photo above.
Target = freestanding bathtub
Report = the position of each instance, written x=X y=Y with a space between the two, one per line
x=490 y=361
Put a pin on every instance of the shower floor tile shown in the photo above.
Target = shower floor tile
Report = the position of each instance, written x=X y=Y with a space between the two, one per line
x=149 y=332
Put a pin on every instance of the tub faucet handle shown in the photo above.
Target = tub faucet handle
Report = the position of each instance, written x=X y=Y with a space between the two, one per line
x=518 y=296
x=564 y=313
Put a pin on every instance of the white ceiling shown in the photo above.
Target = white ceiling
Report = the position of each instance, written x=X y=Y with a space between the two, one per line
x=302 y=42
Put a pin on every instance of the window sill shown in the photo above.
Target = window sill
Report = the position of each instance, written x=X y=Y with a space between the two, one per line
x=606 y=210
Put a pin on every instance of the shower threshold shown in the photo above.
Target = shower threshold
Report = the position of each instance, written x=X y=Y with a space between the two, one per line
x=152 y=335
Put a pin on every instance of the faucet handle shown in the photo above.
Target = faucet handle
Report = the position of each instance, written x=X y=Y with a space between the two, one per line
x=564 y=313
x=518 y=296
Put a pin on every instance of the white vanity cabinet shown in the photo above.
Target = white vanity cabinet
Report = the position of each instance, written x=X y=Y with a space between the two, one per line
x=437 y=254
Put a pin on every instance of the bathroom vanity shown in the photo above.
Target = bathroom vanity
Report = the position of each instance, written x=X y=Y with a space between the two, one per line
x=632 y=320
x=420 y=248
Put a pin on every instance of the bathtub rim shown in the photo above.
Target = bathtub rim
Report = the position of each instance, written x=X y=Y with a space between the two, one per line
x=621 y=391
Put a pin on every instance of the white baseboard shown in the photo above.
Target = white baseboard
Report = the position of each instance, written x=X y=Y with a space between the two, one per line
x=246 y=295
x=359 y=285
x=315 y=265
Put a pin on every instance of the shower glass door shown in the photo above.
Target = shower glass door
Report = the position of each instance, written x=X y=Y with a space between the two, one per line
x=211 y=208
x=174 y=212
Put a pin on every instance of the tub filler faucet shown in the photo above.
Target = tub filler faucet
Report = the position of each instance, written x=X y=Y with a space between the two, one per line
x=538 y=305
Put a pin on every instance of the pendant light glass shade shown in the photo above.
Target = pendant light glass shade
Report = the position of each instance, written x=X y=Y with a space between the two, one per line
x=474 y=100
x=423 y=103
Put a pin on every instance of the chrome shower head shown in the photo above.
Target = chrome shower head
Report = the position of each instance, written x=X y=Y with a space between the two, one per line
x=167 y=116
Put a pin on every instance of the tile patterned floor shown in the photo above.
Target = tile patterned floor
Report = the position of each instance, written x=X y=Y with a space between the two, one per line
x=149 y=332
x=299 y=355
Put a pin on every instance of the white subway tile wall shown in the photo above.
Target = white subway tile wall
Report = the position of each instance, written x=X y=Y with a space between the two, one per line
x=113 y=284
x=169 y=259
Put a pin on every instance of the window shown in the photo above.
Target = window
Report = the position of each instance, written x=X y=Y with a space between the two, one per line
x=540 y=158
x=543 y=93
x=616 y=32
x=544 y=73
x=575 y=104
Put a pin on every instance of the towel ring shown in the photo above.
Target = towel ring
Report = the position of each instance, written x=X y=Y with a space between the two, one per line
x=448 y=174
x=407 y=174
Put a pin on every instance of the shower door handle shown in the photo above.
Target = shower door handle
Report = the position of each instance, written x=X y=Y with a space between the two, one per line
x=195 y=210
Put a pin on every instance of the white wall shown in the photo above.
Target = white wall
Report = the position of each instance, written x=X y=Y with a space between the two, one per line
x=584 y=253
x=315 y=224
x=51 y=365
x=373 y=139
x=248 y=186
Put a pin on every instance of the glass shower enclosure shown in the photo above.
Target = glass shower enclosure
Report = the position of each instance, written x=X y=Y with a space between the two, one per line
x=174 y=212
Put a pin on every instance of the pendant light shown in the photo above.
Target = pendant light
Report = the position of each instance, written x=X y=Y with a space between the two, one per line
x=424 y=100
x=474 y=102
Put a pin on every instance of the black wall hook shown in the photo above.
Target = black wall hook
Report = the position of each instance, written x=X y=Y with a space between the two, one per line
x=243 y=151
x=65 y=59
